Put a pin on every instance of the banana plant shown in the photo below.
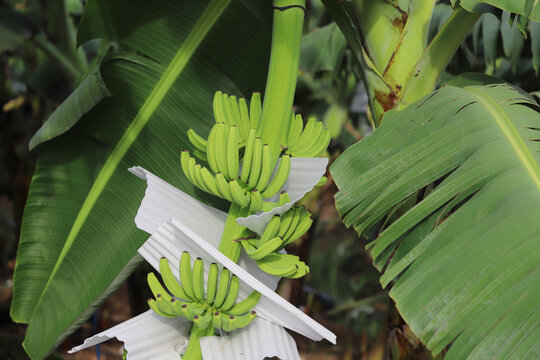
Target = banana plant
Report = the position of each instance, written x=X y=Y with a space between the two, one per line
x=446 y=191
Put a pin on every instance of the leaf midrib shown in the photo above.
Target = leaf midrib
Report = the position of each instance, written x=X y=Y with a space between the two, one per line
x=510 y=132
x=175 y=68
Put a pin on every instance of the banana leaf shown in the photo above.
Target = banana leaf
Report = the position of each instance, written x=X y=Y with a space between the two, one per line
x=463 y=262
x=78 y=237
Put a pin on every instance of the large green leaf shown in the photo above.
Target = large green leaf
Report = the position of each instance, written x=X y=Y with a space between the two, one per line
x=78 y=231
x=464 y=261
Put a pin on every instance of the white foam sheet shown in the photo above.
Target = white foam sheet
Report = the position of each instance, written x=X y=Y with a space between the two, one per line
x=163 y=202
x=271 y=306
x=146 y=336
x=257 y=341
x=305 y=174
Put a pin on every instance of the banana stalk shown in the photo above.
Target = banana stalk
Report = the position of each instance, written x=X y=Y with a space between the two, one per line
x=282 y=73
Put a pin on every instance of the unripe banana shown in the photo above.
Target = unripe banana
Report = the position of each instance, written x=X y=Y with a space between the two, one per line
x=267 y=169
x=256 y=164
x=198 y=279
x=170 y=281
x=155 y=286
x=232 y=153
x=233 y=104
x=320 y=140
x=256 y=202
x=238 y=194
x=228 y=323
x=203 y=320
x=223 y=187
x=222 y=136
x=211 y=285
x=184 y=162
x=232 y=293
x=322 y=181
x=279 y=264
x=247 y=304
x=192 y=309
x=211 y=149
x=197 y=141
x=264 y=250
x=271 y=230
x=154 y=306
x=248 y=155
x=244 y=118
x=227 y=109
x=302 y=227
x=245 y=320
x=294 y=222
x=255 y=110
x=295 y=130
x=164 y=303
x=217 y=319
x=185 y=274
x=301 y=270
x=191 y=171
x=219 y=116
x=222 y=288
x=179 y=307
x=200 y=155
x=209 y=181
x=286 y=220
x=282 y=173
x=199 y=182
x=283 y=198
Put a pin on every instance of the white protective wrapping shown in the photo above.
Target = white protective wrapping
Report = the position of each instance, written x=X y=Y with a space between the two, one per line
x=162 y=202
x=146 y=336
x=173 y=236
x=304 y=175
x=259 y=340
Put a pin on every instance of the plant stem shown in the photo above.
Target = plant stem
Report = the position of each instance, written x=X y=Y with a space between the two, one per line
x=193 y=350
x=228 y=245
x=424 y=76
x=282 y=73
x=65 y=62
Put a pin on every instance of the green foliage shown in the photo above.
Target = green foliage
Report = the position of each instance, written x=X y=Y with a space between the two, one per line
x=81 y=193
x=462 y=254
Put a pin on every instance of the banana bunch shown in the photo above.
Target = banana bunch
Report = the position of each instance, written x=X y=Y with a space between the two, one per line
x=308 y=141
x=216 y=307
x=280 y=231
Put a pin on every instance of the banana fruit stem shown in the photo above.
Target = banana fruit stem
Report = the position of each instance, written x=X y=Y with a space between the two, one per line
x=228 y=245
x=193 y=351
x=282 y=73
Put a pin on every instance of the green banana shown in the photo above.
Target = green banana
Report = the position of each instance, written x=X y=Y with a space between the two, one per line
x=219 y=116
x=227 y=109
x=238 y=194
x=191 y=172
x=184 y=162
x=256 y=164
x=244 y=118
x=170 y=281
x=229 y=323
x=297 y=214
x=271 y=231
x=232 y=153
x=221 y=149
x=222 y=288
x=322 y=181
x=285 y=223
x=223 y=187
x=306 y=136
x=200 y=155
x=164 y=303
x=199 y=182
x=217 y=320
x=211 y=285
x=154 y=306
x=302 y=227
x=233 y=104
x=203 y=320
x=264 y=250
x=247 y=304
x=295 y=130
x=283 y=198
x=266 y=169
x=185 y=274
x=256 y=202
x=279 y=264
x=198 y=279
x=209 y=181
x=248 y=155
x=192 y=309
x=255 y=110
x=316 y=147
x=245 y=320
x=155 y=286
x=232 y=293
x=211 y=149
x=197 y=141
x=280 y=177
